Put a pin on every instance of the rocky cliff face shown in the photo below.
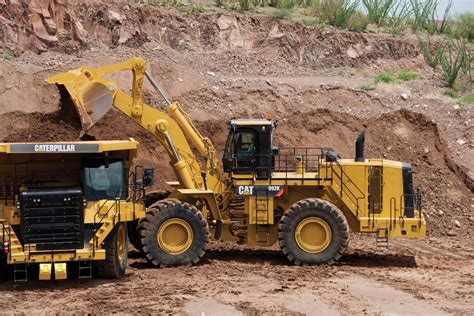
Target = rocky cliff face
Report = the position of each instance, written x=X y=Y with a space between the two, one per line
x=67 y=25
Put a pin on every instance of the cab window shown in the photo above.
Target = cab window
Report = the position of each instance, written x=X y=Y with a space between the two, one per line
x=104 y=181
x=245 y=145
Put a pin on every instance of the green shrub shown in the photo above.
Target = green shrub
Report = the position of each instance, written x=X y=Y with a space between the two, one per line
x=335 y=12
x=399 y=18
x=303 y=3
x=285 y=4
x=244 y=5
x=425 y=17
x=256 y=3
x=431 y=52
x=199 y=8
x=280 y=14
x=219 y=3
x=455 y=60
x=378 y=10
x=463 y=26
x=307 y=21
x=385 y=77
x=358 y=22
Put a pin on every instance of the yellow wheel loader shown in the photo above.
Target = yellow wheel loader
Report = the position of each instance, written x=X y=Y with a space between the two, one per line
x=65 y=208
x=306 y=199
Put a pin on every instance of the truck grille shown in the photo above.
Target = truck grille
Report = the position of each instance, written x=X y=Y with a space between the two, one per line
x=53 y=219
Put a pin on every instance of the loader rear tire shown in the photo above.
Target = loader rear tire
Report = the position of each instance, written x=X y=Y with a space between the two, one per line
x=313 y=231
x=173 y=233
x=116 y=253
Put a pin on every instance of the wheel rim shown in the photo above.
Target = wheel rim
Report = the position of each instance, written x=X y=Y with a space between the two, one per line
x=313 y=235
x=121 y=244
x=175 y=236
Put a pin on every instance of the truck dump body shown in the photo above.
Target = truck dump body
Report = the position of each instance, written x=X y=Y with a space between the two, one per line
x=59 y=202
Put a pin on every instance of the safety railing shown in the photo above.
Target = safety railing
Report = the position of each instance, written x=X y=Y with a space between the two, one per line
x=301 y=164
x=293 y=163
x=104 y=215
x=355 y=194
x=398 y=212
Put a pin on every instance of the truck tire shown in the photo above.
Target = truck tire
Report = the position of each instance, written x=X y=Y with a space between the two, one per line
x=173 y=233
x=133 y=235
x=116 y=253
x=313 y=231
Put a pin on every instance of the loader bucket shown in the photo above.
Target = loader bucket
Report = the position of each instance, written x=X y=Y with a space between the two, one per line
x=92 y=99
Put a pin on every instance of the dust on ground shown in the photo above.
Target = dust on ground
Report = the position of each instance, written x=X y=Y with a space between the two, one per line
x=216 y=65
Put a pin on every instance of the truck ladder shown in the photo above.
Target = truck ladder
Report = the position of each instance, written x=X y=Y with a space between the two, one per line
x=85 y=269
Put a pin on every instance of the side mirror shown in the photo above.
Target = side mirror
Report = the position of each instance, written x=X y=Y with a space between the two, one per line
x=148 y=177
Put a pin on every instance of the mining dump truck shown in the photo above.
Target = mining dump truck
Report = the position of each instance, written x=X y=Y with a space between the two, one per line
x=66 y=207
x=304 y=199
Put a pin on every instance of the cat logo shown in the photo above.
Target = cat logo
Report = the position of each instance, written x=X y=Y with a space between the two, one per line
x=245 y=189
x=260 y=190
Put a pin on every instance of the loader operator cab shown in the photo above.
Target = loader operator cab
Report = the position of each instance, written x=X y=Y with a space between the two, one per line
x=248 y=148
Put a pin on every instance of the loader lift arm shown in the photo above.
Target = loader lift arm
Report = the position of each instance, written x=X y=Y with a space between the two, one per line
x=93 y=96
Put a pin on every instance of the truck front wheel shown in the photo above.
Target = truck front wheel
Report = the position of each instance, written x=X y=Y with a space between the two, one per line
x=116 y=253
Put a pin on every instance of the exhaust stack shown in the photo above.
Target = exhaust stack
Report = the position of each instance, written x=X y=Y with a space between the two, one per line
x=359 y=147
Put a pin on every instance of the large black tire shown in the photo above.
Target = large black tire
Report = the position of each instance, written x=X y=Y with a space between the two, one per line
x=116 y=253
x=150 y=199
x=153 y=197
x=163 y=213
x=322 y=215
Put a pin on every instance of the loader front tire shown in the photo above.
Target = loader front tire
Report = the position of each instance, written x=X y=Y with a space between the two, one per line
x=133 y=234
x=173 y=233
x=313 y=231
x=116 y=253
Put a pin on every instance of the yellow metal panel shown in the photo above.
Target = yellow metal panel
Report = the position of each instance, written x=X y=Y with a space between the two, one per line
x=80 y=254
x=60 y=271
x=111 y=145
x=392 y=190
x=45 y=271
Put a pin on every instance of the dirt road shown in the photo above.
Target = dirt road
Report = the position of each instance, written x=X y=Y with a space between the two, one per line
x=428 y=277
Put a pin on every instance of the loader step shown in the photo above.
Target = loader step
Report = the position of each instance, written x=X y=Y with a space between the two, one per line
x=381 y=238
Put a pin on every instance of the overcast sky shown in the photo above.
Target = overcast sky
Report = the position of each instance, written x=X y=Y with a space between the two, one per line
x=459 y=6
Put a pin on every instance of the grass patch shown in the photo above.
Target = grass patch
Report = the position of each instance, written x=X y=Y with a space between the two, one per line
x=365 y=87
x=7 y=57
x=398 y=77
x=386 y=77
x=406 y=75
x=451 y=93
x=468 y=98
